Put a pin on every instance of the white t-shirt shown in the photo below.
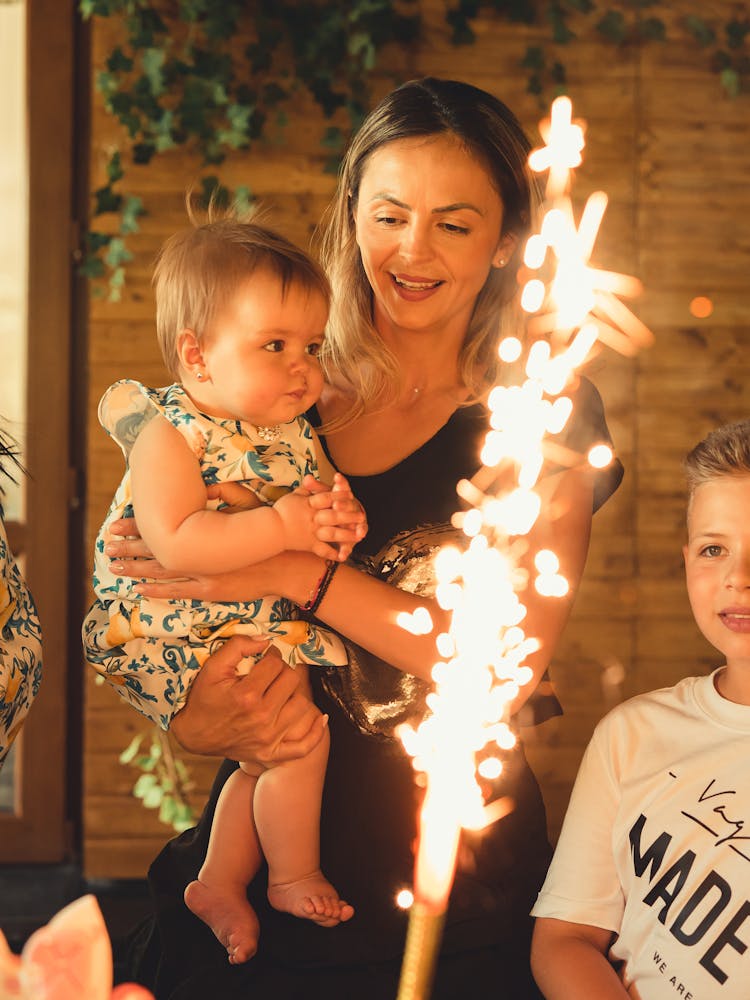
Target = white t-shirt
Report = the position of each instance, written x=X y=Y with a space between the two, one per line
x=656 y=843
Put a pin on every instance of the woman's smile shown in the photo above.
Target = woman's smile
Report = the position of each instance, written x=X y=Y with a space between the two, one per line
x=428 y=224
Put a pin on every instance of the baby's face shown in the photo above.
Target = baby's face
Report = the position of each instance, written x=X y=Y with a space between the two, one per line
x=261 y=352
x=717 y=564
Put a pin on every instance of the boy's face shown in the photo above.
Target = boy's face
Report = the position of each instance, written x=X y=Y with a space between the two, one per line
x=261 y=353
x=717 y=565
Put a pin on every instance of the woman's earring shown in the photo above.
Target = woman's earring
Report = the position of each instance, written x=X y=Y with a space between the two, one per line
x=199 y=376
x=501 y=262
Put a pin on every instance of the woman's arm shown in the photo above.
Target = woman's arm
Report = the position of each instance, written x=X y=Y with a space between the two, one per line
x=364 y=609
x=569 y=962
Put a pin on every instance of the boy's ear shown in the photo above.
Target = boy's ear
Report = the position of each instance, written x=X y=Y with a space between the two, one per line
x=685 y=554
x=189 y=350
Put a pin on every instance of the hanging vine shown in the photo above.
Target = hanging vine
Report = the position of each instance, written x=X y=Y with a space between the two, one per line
x=213 y=76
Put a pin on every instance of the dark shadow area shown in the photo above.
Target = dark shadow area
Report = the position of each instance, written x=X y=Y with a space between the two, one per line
x=31 y=895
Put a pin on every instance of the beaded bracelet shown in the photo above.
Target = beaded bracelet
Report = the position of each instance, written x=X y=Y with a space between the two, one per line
x=312 y=605
x=326 y=583
x=313 y=602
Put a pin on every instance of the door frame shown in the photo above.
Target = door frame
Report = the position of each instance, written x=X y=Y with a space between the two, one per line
x=40 y=829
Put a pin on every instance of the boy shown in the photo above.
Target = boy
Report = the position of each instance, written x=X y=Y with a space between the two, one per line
x=648 y=894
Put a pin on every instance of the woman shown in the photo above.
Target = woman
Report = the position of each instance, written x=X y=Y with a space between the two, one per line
x=20 y=633
x=422 y=245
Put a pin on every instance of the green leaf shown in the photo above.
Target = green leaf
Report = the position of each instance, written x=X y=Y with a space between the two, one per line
x=561 y=33
x=701 y=32
x=131 y=749
x=92 y=267
x=94 y=243
x=357 y=41
x=736 y=32
x=107 y=84
x=167 y=810
x=153 y=797
x=105 y=200
x=653 y=28
x=730 y=81
x=333 y=138
x=143 y=785
x=132 y=209
x=118 y=62
x=114 y=167
x=143 y=152
x=612 y=26
x=534 y=58
x=184 y=818
x=116 y=282
x=152 y=61
x=117 y=253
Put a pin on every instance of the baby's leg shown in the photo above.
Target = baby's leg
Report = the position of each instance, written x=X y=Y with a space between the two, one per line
x=287 y=817
x=219 y=895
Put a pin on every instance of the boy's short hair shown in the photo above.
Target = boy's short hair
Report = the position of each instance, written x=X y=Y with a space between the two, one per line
x=198 y=269
x=724 y=452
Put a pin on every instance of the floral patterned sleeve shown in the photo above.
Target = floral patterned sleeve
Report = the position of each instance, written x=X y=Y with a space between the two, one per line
x=20 y=647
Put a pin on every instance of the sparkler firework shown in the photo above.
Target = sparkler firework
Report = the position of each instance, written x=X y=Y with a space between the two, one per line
x=573 y=308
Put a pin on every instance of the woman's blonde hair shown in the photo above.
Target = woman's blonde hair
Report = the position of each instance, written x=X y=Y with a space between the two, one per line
x=199 y=269
x=724 y=452
x=489 y=131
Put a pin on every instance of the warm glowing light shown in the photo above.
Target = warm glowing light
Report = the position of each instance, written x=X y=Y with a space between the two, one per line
x=546 y=561
x=535 y=252
x=533 y=295
x=573 y=309
x=510 y=349
x=701 y=307
x=490 y=768
x=419 y=622
x=551 y=585
x=564 y=140
x=600 y=456
x=404 y=899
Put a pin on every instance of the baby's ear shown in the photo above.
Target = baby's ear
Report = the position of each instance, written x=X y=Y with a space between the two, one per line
x=189 y=350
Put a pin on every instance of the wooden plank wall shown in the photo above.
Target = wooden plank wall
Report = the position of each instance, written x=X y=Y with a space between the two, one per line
x=670 y=149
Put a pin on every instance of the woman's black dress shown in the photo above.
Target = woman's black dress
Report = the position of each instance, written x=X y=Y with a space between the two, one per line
x=368 y=824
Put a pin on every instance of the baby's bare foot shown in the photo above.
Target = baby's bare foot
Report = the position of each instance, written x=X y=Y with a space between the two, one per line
x=313 y=898
x=229 y=915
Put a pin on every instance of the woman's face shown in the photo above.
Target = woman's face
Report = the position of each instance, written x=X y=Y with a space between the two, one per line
x=428 y=222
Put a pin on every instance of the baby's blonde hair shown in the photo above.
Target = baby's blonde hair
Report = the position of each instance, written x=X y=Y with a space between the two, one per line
x=724 y=452
x=198 y=270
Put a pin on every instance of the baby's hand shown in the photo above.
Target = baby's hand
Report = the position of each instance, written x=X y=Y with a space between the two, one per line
x=323 y=520
x=339 y=516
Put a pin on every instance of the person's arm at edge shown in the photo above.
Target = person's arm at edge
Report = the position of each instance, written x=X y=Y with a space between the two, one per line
x=569 y=961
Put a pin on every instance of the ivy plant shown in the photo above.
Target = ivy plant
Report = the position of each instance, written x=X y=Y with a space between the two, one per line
x=180 y=78
x=164 y=782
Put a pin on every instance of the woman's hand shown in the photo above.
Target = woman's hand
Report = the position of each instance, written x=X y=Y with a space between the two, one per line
x=289 y=574
x=247 y=717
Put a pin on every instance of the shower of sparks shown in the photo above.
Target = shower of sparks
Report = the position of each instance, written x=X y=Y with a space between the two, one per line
x=572 y=307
